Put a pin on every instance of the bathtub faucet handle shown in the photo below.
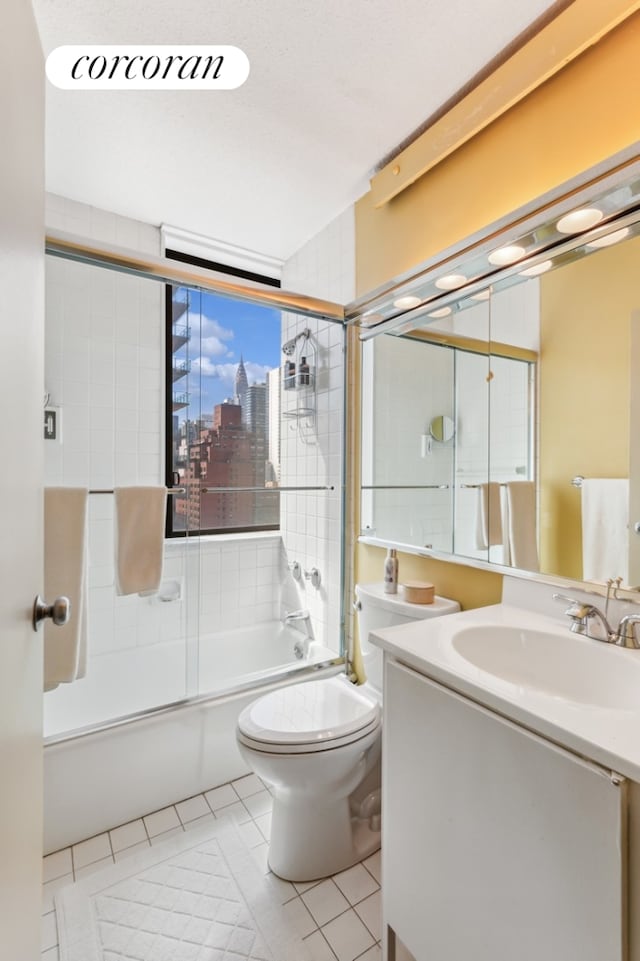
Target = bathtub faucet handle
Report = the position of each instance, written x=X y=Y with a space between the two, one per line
x=314 y=576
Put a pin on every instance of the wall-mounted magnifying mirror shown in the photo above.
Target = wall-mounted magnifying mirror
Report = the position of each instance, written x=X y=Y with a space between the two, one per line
x=441 y=428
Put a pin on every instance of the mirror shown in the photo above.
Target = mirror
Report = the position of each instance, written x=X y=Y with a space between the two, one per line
x=529 y=382
x=441 y=428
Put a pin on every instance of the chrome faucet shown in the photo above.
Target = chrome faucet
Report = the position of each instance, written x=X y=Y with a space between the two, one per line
x=301 y=615
x=301 y=647
x=581 y=614
x=627 y=636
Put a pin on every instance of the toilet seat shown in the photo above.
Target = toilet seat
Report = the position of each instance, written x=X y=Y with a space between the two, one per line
x=308 y=717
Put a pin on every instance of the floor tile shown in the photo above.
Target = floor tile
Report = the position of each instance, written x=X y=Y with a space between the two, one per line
x=237 y=812
x=250 y=834
x=373 y=954
x=195 y=807
x=50 y=889
x=49 y=931
x=159 y=838
x=220 y=797
x=161 y=821
x=284 y=889
x=325 y=902
x=133 y=849
x=128 y=834
x=245 y=786
x=299 y=918
x=258 y=804
x=93 y=867
x=370 y=911
x=95 y=849
x=372 y=864
x=348 y=936
x=260 y=855
x=356 y=883
x=264 y=825
x=318 y=947
x=56 y=865
x=302 y=886
x=209 y=818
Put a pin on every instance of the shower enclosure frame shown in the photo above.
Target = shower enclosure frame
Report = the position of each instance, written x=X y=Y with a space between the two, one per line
x=169 y=271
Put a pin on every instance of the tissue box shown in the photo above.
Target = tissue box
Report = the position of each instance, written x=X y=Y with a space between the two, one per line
x=418 y=592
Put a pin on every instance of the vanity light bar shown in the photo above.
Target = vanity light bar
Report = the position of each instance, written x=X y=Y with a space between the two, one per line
x=422 y=316
x=536 y=229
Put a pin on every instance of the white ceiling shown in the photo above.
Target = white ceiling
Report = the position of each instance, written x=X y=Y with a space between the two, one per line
x=334 y=86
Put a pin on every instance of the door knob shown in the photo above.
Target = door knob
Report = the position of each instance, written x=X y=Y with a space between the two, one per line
x=59 y=611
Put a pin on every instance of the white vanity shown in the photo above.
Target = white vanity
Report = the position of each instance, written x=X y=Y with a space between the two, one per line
x=511 y=790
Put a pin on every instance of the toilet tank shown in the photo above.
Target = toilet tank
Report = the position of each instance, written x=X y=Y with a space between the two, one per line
x=378 y=609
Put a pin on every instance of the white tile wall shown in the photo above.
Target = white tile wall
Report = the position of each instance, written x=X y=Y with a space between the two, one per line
x=413 y=384
x=311 y=447
x=105 y=372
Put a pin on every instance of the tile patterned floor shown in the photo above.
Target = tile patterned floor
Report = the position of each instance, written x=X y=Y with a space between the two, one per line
x=339 y=917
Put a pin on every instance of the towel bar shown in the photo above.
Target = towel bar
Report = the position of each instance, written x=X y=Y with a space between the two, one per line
x=170 y=490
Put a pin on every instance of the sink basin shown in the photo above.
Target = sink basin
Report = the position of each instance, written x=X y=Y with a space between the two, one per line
x=560 y=665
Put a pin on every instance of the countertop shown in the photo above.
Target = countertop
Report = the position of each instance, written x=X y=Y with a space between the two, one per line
x=610 y=736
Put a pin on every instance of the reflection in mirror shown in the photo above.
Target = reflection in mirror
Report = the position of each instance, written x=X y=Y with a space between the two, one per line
x=441 y=428
x=407 y=482
x=537 y=382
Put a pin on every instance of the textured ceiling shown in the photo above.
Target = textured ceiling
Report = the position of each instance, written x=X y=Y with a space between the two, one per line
x=334 y=86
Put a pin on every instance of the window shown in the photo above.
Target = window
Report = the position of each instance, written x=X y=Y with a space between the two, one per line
x=223 y=410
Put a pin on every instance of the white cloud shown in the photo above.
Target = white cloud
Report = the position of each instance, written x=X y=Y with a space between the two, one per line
x=210 y=327
x=256 y=373
x=214 y=347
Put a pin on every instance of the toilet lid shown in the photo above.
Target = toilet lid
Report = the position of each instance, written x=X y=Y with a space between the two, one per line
x=313 y=713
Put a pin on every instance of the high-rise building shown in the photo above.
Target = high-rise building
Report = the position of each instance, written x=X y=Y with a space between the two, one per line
x=242 y=384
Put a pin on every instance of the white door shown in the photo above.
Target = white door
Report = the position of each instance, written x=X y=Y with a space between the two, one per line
x=21 y=389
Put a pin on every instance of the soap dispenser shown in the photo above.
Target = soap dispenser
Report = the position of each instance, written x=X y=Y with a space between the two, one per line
x=391 y=572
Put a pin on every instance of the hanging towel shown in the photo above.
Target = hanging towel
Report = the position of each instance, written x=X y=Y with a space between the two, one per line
x=605 y=529
x=140 y=517
x=65 y=574
x=519 y=505
x=488 y=519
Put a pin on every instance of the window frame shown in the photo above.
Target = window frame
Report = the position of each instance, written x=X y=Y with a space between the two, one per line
x=242 y=274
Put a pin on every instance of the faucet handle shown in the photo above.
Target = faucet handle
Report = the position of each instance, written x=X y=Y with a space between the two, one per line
x=577 y=609
x=626 y=635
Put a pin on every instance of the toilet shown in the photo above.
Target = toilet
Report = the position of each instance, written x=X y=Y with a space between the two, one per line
x=317 y=745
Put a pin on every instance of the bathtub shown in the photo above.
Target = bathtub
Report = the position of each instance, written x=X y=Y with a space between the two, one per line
x=99 y=773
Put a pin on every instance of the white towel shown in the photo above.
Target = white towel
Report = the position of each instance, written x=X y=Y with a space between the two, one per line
x=65 y=573
x=140 y=517
x=605 y=529
x=488 y=516
x=520 y=540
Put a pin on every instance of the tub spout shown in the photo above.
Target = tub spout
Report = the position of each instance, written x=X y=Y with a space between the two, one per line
x=300 y=615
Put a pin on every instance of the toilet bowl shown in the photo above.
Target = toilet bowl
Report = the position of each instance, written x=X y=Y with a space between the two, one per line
x=317 y=745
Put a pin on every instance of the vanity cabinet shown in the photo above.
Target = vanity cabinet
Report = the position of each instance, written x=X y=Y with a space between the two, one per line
x=497 y=844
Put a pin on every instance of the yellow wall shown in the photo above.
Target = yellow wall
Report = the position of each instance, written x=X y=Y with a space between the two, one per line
x=585 y=326
x=577 y=119
x=580 y=117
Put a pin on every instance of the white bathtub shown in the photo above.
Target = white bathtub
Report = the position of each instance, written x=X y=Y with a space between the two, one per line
x=108 y=777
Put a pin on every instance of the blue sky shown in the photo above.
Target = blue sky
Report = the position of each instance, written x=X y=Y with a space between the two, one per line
x=223 y=330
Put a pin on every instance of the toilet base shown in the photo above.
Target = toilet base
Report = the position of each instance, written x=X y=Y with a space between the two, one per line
x=314 y=843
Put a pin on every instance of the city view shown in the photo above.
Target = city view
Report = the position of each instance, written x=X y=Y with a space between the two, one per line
x=226 y=413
